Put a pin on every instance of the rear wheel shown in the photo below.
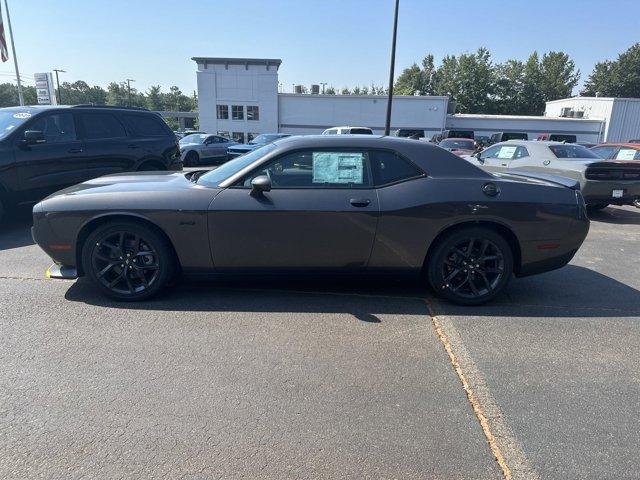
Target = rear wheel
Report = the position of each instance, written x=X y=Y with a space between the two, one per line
x=470 y=266
x=192 y=159
x=127 y=261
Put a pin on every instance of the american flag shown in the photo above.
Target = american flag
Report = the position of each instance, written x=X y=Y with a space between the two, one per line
x=4 y=53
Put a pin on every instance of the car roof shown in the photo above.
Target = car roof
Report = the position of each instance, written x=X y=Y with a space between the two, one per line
x=635 y=146
x=348 y=126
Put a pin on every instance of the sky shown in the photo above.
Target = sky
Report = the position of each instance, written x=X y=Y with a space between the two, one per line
x=340 y=42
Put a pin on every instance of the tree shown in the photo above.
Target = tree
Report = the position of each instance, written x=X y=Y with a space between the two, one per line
x=509 y=88
x=532 y=97
x=330 y=91
x=154 y=98
x=345 y=91
x=410 y=81
x=558 y=76
x=617 y=78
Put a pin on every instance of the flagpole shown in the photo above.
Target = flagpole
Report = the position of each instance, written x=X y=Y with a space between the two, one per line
x=15 y=59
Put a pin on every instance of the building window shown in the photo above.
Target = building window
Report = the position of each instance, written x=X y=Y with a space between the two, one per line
x=224 y=134
x=237 y=112
x=251 y=136
x=223 y=112
x=253 y=112
x=238 y=136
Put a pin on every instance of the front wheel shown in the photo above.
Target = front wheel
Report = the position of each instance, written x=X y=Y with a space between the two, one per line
x=470 y=266
x=192 y=159
x=127 y=261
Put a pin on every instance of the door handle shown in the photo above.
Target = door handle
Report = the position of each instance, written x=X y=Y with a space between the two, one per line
x=546 y=162
x=359 y=202
x=75 y=150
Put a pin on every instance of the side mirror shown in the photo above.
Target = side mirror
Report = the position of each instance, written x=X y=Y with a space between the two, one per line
x=33 y=136
x=260 y=185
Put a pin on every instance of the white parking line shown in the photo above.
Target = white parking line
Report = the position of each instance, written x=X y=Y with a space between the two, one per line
x=504 y=445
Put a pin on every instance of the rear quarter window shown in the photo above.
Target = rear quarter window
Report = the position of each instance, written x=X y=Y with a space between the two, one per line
x=569 y=151
x=388 y=167
x=149 y=125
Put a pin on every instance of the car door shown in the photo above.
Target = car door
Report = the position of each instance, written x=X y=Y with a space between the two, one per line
x=498 y=157
x=321 y=213
x=108 y=148
x=215 y=147
x=57 y=161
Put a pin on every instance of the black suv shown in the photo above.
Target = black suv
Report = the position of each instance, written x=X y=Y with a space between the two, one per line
x=44 y=149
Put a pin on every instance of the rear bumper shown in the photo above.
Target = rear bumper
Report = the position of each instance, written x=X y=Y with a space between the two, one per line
x=599 y=191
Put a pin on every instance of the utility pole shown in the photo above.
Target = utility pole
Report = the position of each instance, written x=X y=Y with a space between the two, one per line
x=387 y=125
x=323 y=85
x=58 y=83
x=129 y=80
x=15 y=59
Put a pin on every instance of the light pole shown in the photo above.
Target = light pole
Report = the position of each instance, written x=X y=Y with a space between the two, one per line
x=57 y=70
x=15 y=59
x=323 y=85
x=387 y=124
x=129 y=80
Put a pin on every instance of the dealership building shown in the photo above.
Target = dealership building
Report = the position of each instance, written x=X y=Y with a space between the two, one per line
x=239 y=97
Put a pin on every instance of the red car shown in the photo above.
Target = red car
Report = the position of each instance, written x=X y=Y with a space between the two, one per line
x=459 y=146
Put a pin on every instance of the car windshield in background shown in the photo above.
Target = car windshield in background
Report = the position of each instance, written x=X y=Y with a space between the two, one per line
x=10 y=119
x=572 y=151
x=195 y=138
x=260 y=139
x=458 y=144
x=215 y=177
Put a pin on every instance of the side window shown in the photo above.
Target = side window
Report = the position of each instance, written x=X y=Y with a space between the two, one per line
x=389 y=167
x=521 y=152
x=507 y=152
x=316 y=169
x=146 y=125
x=627 y=154
x=101 y=125
x=331 y=131
x=56 y=128
x=603 y=151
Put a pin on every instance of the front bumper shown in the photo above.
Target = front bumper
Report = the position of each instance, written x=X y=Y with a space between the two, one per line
x=601 y=191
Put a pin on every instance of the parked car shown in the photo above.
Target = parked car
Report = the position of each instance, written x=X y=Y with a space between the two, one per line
x=263 y=139
x=341 y=204
x=201 y=147
x=557 y=137
x=617 y=151
x=44 y=149
x=459 y=146
x=602 y=183
x=457 y=134
x=586 y=144
x=348 y=131
x=505 y=136
x=409 y=133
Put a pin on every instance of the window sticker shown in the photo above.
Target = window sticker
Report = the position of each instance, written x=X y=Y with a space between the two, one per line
x=22 y=115
x=338 y=167
x=506 y=152
x=626 y=154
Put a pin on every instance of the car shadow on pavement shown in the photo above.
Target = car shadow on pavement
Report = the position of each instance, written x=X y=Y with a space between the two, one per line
x=15 y=230
x=363 y=298
x=572 y=291
x=617 y=215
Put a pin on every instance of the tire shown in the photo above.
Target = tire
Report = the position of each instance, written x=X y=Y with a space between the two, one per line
x=596 y=207
x=147 y=254
x=470 y=277
x=150 y=167
x=192 y=159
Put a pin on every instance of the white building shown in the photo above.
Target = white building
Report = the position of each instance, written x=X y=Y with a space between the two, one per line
x=239 y=97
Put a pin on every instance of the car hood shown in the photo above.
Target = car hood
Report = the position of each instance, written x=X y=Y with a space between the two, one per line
x=244 y=148
x=132 y=191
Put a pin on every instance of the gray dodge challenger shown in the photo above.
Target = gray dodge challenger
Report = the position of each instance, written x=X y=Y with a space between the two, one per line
x=339 y=205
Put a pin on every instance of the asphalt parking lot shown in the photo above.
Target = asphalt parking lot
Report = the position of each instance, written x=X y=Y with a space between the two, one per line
x=322 y=379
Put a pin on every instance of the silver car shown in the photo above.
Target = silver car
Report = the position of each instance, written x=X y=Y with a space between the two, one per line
x=199 y=148
x=602 y=182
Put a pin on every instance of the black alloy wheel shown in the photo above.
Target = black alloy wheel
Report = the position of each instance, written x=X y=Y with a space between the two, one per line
x=192 y=159
x=471 y=266
x=127 y=261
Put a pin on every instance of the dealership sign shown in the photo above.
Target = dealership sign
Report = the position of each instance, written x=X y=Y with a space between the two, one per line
x=45 y=89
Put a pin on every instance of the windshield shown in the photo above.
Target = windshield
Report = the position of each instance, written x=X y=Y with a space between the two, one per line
x=572 y=151
x=195 y=138
x=260 y=139
x=457 y=144
x=215 y=177
x=10 y=119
